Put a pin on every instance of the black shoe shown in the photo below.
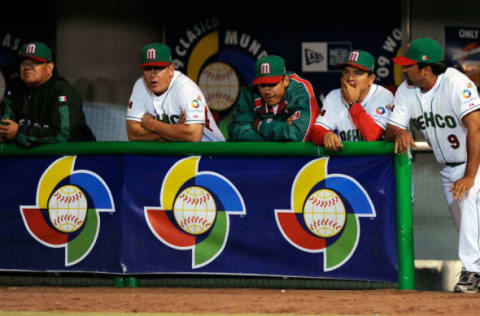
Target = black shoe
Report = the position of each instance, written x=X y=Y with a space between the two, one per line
x=468 y=283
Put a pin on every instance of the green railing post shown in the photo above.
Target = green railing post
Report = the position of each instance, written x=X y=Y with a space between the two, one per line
x=403 y=181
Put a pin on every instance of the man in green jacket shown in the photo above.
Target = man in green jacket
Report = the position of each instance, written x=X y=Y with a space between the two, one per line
x=48 y=109
x=279 y=106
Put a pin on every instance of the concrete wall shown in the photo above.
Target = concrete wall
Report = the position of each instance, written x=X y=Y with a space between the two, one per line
x=429 y=17
x=99 y=42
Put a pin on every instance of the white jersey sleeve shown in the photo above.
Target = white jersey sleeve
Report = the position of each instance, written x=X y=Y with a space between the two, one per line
x=380 y=104
x=330 y=110
x=192 y=101
x=401 y=111
x=464 y=97
x=140 y=102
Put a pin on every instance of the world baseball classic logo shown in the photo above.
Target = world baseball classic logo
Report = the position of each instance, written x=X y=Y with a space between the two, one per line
x=324 y=213
x=194 y=211
x=66 y=214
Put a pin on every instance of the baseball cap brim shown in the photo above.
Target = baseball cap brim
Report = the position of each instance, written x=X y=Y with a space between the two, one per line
x=36 y=58
x=155 y=63
x=356 y=66
x=267 y=80
x=404 y=61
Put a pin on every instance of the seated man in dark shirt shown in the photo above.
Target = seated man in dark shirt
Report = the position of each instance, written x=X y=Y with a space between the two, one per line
x=48 y=109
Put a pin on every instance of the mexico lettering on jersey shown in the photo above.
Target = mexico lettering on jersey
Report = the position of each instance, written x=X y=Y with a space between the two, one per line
x=182 y=96
x=438 y=113
x=336 y=116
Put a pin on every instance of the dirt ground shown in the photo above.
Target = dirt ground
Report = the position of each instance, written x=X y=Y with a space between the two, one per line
x=236 y=301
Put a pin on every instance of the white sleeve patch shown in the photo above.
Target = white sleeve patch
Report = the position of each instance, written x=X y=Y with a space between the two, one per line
x=136 y=106
x=401 y=114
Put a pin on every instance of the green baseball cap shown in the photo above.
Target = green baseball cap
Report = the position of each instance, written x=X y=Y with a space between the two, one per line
x=424 y=50
x=360 y=59
x=156 y=54
x=37 y=51
x=269 y=69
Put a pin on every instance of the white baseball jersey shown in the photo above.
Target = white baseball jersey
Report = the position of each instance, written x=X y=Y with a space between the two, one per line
x=182 y=96
x=438 y=113
x=336 y=116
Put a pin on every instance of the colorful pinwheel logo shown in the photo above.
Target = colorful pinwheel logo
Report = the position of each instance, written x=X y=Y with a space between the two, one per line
x=194 y=211
x=66 y=212
x=324 y=213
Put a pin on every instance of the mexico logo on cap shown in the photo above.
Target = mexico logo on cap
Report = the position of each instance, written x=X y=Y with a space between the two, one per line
x=151 y=53
x=425 y=57
x=353 y=56
x=30 y=49
x=265 y=68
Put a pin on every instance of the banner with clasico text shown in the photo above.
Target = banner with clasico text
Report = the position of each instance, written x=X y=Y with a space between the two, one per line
x=234 y=215
x=217 y=46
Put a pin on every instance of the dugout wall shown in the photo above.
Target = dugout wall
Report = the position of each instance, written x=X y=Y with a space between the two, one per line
x=119 y=180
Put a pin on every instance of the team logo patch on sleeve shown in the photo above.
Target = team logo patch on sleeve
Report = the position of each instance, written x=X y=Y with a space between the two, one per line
x=380 y=110
x=62 y=98
x=466 y=93
x=196 y=102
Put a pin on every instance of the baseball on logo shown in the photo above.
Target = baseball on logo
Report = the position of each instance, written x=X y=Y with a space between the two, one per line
x=219 y=82
x=67 y=208
x=195 y=210
x=324 y=213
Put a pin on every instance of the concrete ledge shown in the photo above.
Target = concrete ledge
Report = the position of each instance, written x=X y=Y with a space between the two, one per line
x=437 y=275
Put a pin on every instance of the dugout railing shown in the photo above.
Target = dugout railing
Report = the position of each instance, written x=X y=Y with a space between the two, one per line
x=402 y=165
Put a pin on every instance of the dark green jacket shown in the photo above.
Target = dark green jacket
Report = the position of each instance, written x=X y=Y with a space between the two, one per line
x=299 y=100
x=51 y=113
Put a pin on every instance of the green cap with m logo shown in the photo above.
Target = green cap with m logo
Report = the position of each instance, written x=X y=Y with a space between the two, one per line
x=156 y=54
x=360 y=59
x=37 y=51
x=269 y=70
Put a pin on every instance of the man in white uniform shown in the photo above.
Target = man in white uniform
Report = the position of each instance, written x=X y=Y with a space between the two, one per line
x=166 y=105
x=443 y=104
x=358 y=111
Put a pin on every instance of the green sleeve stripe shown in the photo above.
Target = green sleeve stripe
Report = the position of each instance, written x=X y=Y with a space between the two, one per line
x=64 y=134
x=8 y=114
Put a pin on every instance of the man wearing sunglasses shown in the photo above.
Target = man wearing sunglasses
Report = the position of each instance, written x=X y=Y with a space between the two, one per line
x=279 y=106
x=166 y=105
x=47 y=109
x=358 y=111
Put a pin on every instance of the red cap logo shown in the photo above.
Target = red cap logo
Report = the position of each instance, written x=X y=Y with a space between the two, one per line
x=353 y=56
x=30 y=49
x=265 y=68
x=151 y=53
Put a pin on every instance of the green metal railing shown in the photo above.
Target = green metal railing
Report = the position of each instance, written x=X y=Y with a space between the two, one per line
x=406 y=278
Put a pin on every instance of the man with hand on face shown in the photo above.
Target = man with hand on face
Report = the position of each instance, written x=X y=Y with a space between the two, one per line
x=166 y=105
x=47 y=109
x=279 y=106
x=358 y=111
